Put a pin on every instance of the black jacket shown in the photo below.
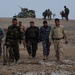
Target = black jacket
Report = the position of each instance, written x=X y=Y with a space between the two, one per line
x=32 y=33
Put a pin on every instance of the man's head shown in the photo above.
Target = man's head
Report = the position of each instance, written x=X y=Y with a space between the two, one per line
x=14 y=21
x=32 y=24
x=20 y=23
x=64 y=6
x=45 y=23
x=57 y=22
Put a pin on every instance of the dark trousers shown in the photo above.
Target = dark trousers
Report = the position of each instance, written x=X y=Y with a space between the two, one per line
x=46 y=47
x=0 y=49
x=15 y=51
x=32 y=47
x=66 y=16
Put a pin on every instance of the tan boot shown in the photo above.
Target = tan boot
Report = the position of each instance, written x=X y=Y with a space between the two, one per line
x=46 y=57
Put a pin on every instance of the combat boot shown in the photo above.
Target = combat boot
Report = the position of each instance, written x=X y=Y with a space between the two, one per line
x=30 y=56
x=45 y=57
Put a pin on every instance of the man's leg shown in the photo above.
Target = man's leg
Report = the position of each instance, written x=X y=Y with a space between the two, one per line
x=34 y=48
x=45 y=50
x=44 y=47
x=28 y=46
x=56 y=50
x=0 y=49
x=61 y=54
x=16 y=52
x=47 y=47
x=66 y=17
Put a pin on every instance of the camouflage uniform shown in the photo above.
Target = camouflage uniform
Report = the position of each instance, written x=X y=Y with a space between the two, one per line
x=22 y=29
x=1 y=36
x=44 y=37
x=12 y=39
x=31 y=35
x=66 y=13
x=58 y=34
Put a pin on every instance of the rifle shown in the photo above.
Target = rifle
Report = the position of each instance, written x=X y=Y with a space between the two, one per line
x=5 y=54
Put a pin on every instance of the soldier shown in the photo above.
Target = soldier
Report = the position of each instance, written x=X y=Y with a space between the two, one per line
x=13 y=38
x=66 y=12
x=1 y=36
x=32 y=34
x=62 y=13
x=44 y=37
x=49 y=13
x=22 y=29
x=44 y=14
x=58 y=34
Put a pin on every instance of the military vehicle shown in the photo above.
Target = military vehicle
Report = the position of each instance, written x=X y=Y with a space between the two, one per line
x=25 y=13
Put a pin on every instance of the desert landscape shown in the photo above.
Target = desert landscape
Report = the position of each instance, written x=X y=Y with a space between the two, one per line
x=37 y=66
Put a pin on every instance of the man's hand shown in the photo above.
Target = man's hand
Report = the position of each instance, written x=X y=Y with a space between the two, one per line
x=23 y=42
x=20 y=41
x=39 y=40
x=66 y=42
x=5 y=43
x=50 y=43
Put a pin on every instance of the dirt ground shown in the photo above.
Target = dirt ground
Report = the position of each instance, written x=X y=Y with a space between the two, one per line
x=29 y=66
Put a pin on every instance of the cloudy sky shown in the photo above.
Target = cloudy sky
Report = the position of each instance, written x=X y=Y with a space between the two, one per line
x=8 y=8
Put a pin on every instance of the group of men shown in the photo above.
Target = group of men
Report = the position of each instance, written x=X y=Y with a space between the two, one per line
x=33 y=35
x=65 y=13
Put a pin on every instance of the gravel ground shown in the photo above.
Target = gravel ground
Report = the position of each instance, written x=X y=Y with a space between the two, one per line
x=29 y=66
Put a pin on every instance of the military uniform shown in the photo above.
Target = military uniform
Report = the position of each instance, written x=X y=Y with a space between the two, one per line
x=58 y=34
x=31 y=37
x=1 y=36
x=66 y=13
x=44 y=37
x=22 y=29
x=12 y=39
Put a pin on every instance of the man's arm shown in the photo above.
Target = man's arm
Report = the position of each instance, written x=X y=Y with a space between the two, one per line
x=19 y=34
x=65 y=36
x=26 y=34
x=37 y=32
x=51 y=35
x=40 y=35
x=1 y=33
x=7 y=35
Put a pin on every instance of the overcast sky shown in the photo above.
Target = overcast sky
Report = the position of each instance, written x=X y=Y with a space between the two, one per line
x=8 y=8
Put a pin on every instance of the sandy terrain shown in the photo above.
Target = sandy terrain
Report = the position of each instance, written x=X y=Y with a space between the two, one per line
x=37 y=66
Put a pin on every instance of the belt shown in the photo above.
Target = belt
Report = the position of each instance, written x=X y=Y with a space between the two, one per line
x=57 y=38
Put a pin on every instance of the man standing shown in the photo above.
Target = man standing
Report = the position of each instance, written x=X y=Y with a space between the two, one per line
x=1 y=36
x=58 y=34
x=32 y=34
x=66 y=12
x=44 y=37
x=22 y=29
x=13 y=38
